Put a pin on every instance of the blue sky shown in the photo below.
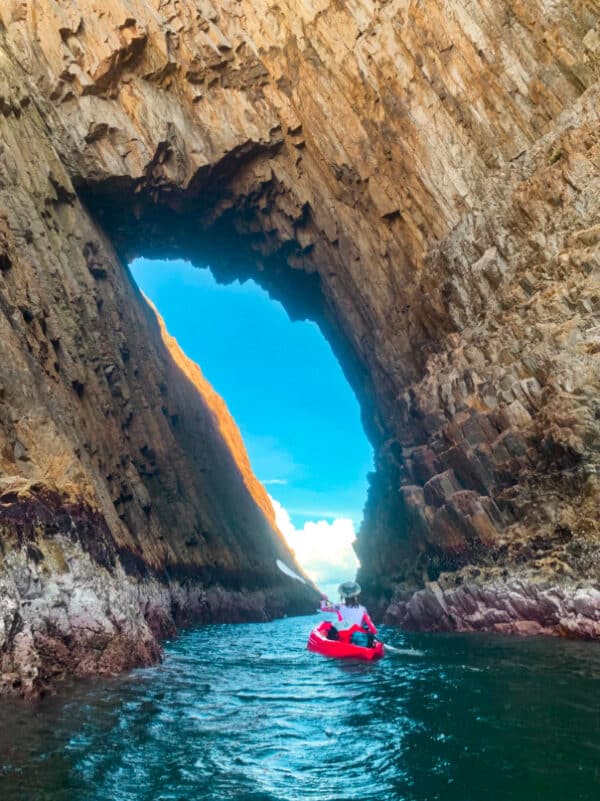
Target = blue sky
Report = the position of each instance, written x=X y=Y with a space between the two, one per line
x=297 y=413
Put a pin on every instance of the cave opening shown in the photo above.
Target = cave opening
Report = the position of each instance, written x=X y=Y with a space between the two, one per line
x=245 y=221
x=299 y=418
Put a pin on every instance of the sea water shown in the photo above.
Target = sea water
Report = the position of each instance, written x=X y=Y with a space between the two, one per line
x=246 y=713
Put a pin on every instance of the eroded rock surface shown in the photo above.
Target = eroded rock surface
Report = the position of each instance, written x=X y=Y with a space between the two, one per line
x=127 y=504
x=421 y=178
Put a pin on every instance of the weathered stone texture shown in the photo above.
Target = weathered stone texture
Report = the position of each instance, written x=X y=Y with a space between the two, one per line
x=421 y=178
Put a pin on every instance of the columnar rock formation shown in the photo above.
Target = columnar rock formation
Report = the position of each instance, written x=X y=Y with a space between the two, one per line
x=421 y=178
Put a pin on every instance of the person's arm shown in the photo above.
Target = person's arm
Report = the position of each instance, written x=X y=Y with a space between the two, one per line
x=366 y=621
x=328 y=607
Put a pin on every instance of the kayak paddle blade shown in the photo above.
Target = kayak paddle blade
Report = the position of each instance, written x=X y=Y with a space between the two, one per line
x=289 y=572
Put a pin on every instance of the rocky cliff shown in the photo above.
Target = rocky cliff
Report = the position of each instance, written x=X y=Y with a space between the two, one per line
x=127 y=502
x=419 y=177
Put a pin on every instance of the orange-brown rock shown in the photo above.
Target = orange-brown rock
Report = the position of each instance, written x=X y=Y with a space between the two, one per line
x=225 y=423
x=421 y=178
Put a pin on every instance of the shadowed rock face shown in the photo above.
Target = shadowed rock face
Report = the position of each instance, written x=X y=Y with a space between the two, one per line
x=420 y=178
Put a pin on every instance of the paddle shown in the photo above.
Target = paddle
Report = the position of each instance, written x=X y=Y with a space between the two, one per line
x=389 y=649
x=289 y=572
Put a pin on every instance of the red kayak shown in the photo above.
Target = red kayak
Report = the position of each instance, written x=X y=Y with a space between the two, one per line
x=342 y=648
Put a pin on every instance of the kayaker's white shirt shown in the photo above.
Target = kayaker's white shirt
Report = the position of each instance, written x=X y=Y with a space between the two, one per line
x=351 y=615
x=348 y=615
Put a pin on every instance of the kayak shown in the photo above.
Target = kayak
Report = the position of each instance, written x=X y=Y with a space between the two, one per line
x=342 y=648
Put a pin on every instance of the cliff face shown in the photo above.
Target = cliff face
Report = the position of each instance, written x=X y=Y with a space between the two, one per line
x=127 y=503
x=421 y=178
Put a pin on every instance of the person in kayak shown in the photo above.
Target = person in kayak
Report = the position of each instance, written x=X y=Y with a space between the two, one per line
x=351 y=615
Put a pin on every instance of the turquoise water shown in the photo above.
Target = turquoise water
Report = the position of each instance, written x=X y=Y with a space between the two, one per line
x=245 y=713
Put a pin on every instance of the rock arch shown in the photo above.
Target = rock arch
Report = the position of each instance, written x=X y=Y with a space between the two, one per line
x=419 y=178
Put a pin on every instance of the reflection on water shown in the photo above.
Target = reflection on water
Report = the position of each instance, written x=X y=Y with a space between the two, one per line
x=245 y=713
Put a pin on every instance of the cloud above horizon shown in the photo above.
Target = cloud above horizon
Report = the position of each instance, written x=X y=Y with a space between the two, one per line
x=322 y=547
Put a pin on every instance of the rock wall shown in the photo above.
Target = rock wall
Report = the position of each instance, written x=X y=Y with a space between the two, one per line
x=127 y=503
x=419 y=177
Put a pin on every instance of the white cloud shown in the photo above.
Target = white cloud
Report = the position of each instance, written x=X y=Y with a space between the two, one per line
x=269 y=481
x=322 y=547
